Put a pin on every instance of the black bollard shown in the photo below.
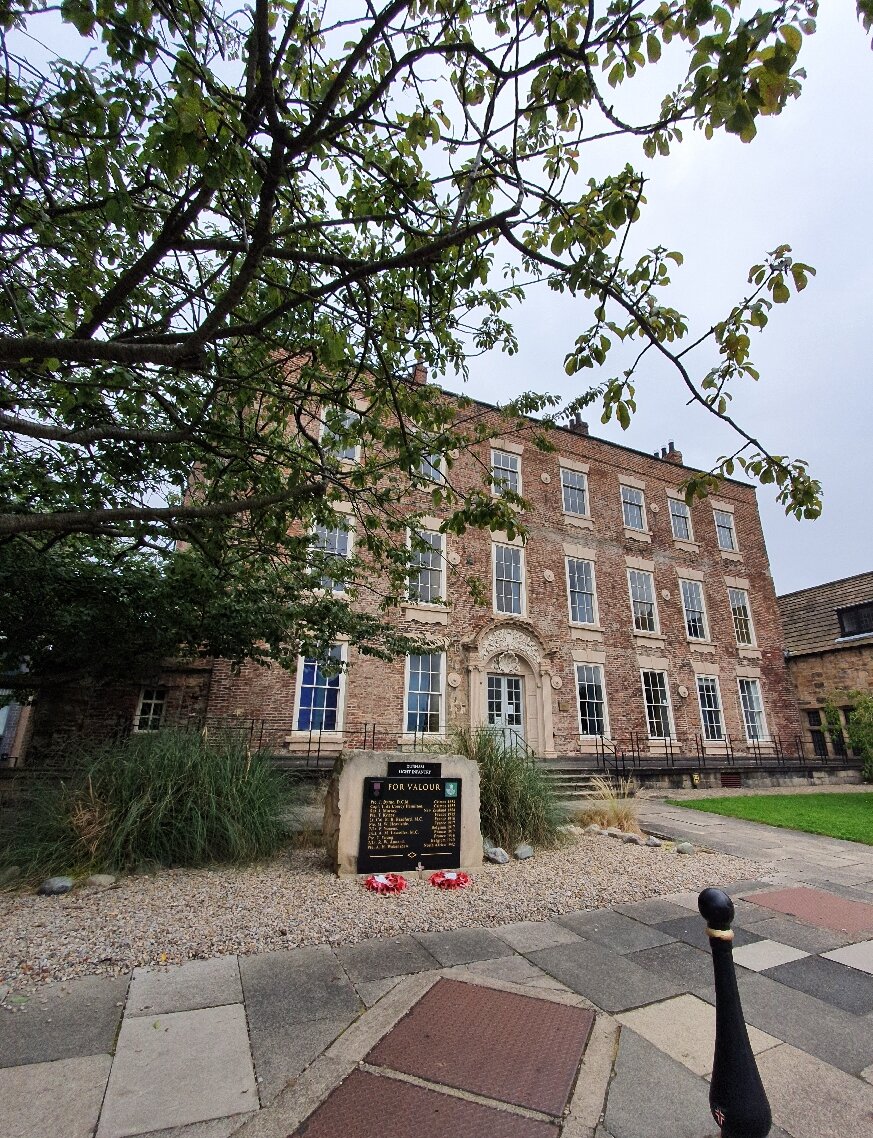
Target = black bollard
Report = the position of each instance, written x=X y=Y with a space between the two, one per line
x=736 y=1094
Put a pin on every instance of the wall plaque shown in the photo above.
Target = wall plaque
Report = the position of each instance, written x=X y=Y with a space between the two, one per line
x=410 y=821
x=414 y=769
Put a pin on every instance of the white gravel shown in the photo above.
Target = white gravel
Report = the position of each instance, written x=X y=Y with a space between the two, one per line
x=178 y=915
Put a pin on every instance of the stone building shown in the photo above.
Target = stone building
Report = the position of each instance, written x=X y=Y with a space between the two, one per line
x=829 y=652
x=626 y=619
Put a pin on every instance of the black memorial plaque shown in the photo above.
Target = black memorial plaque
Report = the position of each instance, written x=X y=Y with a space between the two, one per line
x=410 y=821
x=414 y=769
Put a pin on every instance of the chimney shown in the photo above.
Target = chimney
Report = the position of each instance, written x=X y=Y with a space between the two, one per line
x=577 y=426
x=419 y=374
x=670 y=454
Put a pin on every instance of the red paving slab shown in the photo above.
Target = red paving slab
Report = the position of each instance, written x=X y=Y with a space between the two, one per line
x=818 y=907
x=374 y=1106
x=516 y=1049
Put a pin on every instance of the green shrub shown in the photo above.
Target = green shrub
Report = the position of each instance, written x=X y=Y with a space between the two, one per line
x=517 y=802
x=168 y=798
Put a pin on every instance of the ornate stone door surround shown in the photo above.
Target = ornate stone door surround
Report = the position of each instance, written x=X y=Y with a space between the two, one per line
x=514 y=648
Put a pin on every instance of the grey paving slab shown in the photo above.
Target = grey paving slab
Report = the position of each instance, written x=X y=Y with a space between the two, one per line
x=297 y=1003
x=858 y=956
x=63 y=1021
x=654 y=911
x=615 y=931
x=812 y=1099
x=692 y=929
x=461 y=946
x=688 y=967
x=608 y=980
x=525 y=936
x=511 y=970
x=184 y=987
x=800 y=935
x=41 y=1100
x=179 y=1068
x=834 y=983
x=376 y=959
x=299 y=986
x=829 y=1033
x=214 y=1128
x=684 y=1028
x=764 y=954
x=371 y=991
x=654 y=1095
x=747 y=915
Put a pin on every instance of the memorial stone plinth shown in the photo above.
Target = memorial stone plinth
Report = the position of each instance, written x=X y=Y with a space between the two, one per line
x=425 y=812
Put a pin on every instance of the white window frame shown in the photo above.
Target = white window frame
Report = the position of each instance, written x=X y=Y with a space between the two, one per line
x=644 y=528
x=592 y=664
x=498 y=484
x=683 y=581
x=340 y=702
x=671 y=502
x=576 y=490
x=149 y=696
x=595 y=621
x=347 y=415
x=752 y=641
x=338 y=588
x=407 y=672
x=429 y=471
x=495 y=545
x=440 y=550
x=763 y=736
x=720 y=525
x=713 y=679
x=671 y=723
x=654 y=602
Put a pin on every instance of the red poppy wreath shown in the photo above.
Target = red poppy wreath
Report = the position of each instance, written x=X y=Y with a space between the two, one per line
x=385 y=883
x=450 y=879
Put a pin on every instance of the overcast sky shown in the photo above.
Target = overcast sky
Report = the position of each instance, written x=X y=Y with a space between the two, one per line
x=806 y=180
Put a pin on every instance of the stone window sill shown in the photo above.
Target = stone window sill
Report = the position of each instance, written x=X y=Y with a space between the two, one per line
x=648 y=637
x=687 y=546
x=701 y=645
x=731 y=555
x=586 y=632
x=638 y=535
x=578 y=521
x=750 y=653
x=426 y=614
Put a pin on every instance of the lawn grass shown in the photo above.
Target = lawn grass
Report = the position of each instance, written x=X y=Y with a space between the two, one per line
x=848 y=816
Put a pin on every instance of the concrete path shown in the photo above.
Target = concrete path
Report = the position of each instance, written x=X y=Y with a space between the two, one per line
x=333 y=1037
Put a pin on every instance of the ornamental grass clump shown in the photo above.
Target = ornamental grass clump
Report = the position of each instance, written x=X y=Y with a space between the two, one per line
x=172 y=798
x=611 y=805
x=516 y=800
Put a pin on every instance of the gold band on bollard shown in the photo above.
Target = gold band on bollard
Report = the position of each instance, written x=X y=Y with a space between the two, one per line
x=720 y=934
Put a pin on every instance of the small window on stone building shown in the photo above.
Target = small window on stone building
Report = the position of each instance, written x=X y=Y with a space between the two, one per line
x=633 y=508
x=724 y=530
x=856 y=620
x=819 y=743
x=152 y=705
x=680 y=520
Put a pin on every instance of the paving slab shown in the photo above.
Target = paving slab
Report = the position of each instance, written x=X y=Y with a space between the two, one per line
x=526 y=936
x=788 y=930
x=858 y=956
x=64 y=1021
x=300 y=985
x=684 y=1028
x=812 y=1099
x=184 y=987
x=371 y=991
x=461 y=946
x=652 y=1094
x=766 y=954
x=834 y=983
x=214 y=1128
x=688 y=967
x=372 y=1106
x=821 y=908
x=831 y=1034
x=41 y=1100
x=610 y=981
x=451 y=1037
x=512 y=970
x=653 y=912
x=175 y=1069
x=692 y=929
x=615 y=931
x=378 y=959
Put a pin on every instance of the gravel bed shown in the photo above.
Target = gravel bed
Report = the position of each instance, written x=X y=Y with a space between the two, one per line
x=293 y=900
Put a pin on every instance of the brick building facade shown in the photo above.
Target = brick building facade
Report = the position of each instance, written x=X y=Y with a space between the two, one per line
x=624 y=616
x=829 y=652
